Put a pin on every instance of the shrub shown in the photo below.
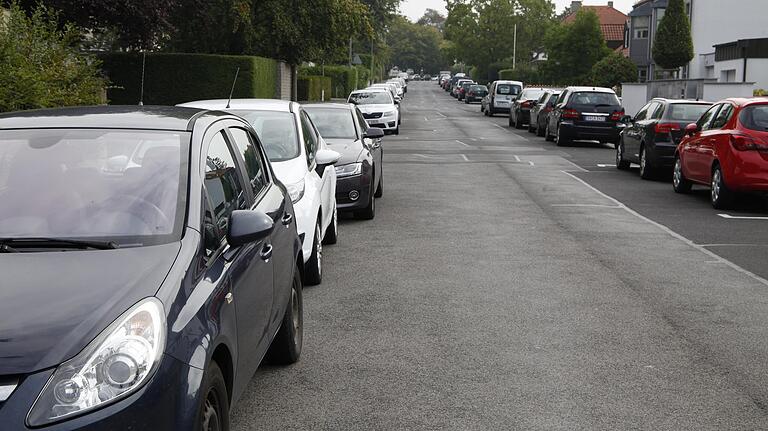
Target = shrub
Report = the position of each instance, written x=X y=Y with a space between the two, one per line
x=40 y=67
x=612 y=70
x=171 y=79
x=344 y=79
x=314 y=88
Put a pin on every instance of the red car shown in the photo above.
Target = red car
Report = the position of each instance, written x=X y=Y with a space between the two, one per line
x=727 y=149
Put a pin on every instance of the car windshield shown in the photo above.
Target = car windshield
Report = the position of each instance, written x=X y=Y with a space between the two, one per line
x=531 y=94
x=333 y=123
x=277 y=131
x=755 y=117
x=593 y=98
x=478 y=88
x=689 y=113
x=508 y=89
x=125 y=186
x=370 y=98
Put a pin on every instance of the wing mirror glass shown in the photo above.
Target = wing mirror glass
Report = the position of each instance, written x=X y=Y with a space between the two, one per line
x=247 y=226
x=373 y=133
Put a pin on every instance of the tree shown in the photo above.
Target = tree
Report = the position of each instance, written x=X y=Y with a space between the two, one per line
x=573 y=49
x=612 y=70
x=415 y=46
x=432 y=18
x=673 y=46
x=41 y=68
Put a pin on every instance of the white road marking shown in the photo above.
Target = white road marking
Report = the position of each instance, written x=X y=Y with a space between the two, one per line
x=466 y=145
x=531 y=163
x=587 y=206
x=441 y=114
x=426 y=119
x=500 y=127
x=600 y=165
x=714 y=256
x=463 y=156
x=517 y=159
x=734 y=245
x=728 y=216
x=576 y=166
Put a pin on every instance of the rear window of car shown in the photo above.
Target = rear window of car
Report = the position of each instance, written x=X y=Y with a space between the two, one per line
x=508 y=89
x=686 y=112
x=531 y=94
x=755 y=118
x=593 y=98
x=478 y=88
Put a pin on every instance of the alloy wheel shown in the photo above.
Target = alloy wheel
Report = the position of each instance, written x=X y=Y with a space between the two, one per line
x=211 y=420
x=319 y=249
x=717 y=178
x=296 y=313
x=643 y=162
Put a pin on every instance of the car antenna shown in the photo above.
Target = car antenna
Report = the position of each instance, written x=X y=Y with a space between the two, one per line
x=143 y=68
x=232 y=91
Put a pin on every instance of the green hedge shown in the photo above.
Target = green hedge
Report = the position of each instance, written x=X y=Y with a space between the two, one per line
x=344 y=79
x=310 y=88
x=177 y=78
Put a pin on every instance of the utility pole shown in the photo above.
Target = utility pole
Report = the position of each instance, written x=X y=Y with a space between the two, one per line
x=350 y=52
x=514 y=50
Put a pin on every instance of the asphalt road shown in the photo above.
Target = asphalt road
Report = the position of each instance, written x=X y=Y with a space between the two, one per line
x=509 y=284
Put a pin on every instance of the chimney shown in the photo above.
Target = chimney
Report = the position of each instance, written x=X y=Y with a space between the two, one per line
x=610 y=4
x=575 y=6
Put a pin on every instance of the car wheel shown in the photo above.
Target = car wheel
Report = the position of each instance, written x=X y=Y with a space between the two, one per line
x=286 y=346
x=531 y=128
x=397 y=131
x=722 y=196
x=489 y=111
x=214 y=406
x=511 y=123
x=548 y=136
x=314 y=267
x=518 y=124
x=369 y=212
x=647 y=172
x=679 y=182
x=482 y=109
x=621 y=164
x=380 y=186
x=559 y=140
x=539 y=130
x=332 y=233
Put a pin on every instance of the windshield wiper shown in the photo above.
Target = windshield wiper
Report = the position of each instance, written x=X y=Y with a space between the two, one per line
x=48 y=242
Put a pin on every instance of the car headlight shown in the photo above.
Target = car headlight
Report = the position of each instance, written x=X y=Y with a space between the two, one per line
x=349 y=170
x=115 y=364
x=296 y=191
x=390 y=114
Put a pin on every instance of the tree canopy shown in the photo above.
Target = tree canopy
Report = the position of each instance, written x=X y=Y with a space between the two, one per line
x=613 y=70
x=415 y=46
x=673 y=46
x=573 y=49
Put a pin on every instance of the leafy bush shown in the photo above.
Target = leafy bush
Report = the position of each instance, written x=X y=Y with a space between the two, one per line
x=314 y=88
x=177 y=78
x=612 y=70
x=344 y=79
x=40 y=66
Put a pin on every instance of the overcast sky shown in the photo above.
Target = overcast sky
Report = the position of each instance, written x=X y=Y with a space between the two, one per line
x=414 y=9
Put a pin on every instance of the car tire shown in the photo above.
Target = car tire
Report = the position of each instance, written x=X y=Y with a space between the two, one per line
x=559 y=140
x=621 y=164
x=722 y=197
x=679 y=183
x=547 y=136
x=482 y=108
x=332 y=233
x=489 y=111
x=518 y=124
x=539 y=131
x=531 y=128
x=647 y=171
x=397 y=131
x=214 y=405
x=380 y=186
x=286 y=346
x=511 y=123
x=314 y=266
x=369 y=212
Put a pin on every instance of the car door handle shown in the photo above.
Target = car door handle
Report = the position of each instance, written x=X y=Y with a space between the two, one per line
x=266 y=252
x=287 y=219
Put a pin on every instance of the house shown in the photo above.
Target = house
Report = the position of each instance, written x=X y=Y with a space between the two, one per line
x=612 y=22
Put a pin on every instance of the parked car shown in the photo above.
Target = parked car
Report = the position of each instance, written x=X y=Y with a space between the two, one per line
x=302 y=161
x=379 y=109
x=390 y=86
x=457 y=87
x=461 y=90
x=399 y=87
x=585 y=113
x=520 y=111
x=500 y=97
x=727 y=149
x=125 y=278
x=454 y=81
x=475 y=93
x=540 y=111
x=360 y=171
x=651 y=137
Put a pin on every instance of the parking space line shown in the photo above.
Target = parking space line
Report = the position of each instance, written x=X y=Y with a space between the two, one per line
x=575 y=165
x=531 y=163
x=464 y=156
x=730 y=217
x=734 y=245
x=517 y=159
x=466 y=145
x=601 y=165
x=715 y=257
x=588 y=206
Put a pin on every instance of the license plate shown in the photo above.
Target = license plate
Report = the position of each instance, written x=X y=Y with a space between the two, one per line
x=593 y=118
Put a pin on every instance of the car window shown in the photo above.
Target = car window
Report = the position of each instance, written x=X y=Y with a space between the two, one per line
x=333 y=123
x=755 y=117
x=222 y=182
x=658 y=111
x=508 y=89
x=254 y=162
x=361 y=121
x=543 y=97
x=706 y=119
x=213 y=237
x=687 y=113
x=562 y=97
x=722 y=117
x=310 y=139
x=371 y=98
x=531 y=94
x=593 y=98
x=277 y=132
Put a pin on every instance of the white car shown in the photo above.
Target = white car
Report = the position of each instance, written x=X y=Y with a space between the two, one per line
x=379 y=108
x=500 y=97
x=400 y=88
x=303 y=162
x=389 y=86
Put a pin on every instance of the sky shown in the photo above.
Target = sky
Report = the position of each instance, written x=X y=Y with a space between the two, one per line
x=414 y=9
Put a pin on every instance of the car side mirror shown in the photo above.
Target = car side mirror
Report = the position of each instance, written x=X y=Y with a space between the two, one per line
x=326 y=157
x=398 y=99
x=247 y=226
x=373 y=133
x=692 y=129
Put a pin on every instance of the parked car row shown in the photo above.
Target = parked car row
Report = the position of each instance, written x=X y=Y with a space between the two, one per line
x=159 y=254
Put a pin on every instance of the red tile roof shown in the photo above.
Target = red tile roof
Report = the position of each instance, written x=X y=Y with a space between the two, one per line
x=606 y=14
x=613 y=31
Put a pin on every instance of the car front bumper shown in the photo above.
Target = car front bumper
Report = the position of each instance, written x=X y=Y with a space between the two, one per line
x=387 y=124
x=346 y=186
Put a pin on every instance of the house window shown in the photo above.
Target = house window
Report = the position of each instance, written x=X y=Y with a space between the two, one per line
x=641 y=26
x=642 y=75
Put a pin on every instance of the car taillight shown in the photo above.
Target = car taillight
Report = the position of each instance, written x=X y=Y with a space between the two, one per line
x=748 y=143
x=664 y=128
x=571 y=114
x=526 y=104
x=617 y=115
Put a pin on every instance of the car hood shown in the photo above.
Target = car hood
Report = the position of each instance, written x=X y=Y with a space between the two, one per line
x=349 y=149
x=291 y=171
x=53 y=304
x=367 y=109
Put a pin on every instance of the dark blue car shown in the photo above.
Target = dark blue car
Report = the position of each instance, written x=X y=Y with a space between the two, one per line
x=149 y=261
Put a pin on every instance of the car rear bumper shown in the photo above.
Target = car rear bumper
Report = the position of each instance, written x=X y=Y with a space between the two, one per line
x=746 y=171
x=663 y=154
x=589 y=133
x=347 y=187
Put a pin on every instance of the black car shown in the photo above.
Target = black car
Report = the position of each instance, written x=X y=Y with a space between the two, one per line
x=475 y=93
x=540 y=111
x=360 y=171
x=586 y=114
x=461 y=92
x=651 y=137
x=520 y=111
x=150 y=261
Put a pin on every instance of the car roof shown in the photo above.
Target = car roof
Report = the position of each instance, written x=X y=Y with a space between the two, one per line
x=372 y=90
x=250 y=104
x=743 y=101
x=346 y=106
x=504 y=81
x=592 y=89
x=107 y=117
x=680 y=101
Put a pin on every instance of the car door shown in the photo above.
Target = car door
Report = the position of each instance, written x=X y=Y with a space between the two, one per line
x=326 y=180
x=634 y=132
x=709 y=139
x=694 y=163
x=249 y=267
x=554 y=116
